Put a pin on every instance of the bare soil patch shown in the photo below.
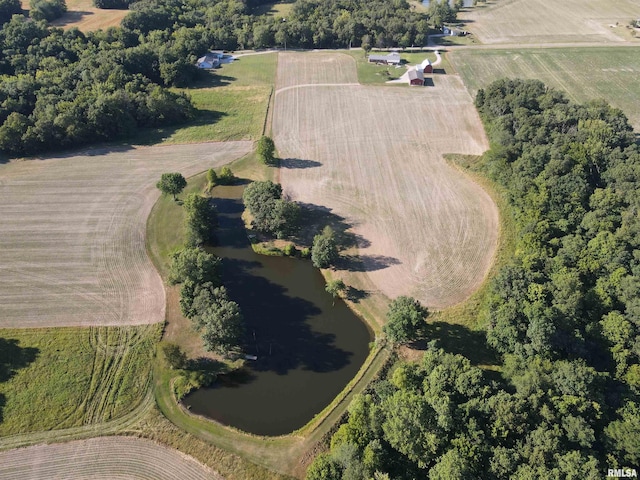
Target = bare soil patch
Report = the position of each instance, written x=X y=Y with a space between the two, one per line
x=376 y=160
x=102 y=458
x=72 y=246
x=549 y=21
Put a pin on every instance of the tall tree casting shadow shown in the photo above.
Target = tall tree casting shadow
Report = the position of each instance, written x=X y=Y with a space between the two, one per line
x=13 y=357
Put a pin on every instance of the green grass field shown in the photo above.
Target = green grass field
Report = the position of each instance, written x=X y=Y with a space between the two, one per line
x=58 y=378
x=611 y=73
x=231 y=101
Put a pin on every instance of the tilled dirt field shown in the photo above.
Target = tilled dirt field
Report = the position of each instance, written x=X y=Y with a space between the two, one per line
x=374 y=156
x=72 y=243
x=549 y=21
x=105 y=458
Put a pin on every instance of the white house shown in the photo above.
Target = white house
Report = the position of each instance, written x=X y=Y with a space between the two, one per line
x=210 y=60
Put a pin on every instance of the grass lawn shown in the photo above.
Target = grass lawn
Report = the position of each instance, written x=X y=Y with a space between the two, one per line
x=57 y=378
x=274 y=9
x=232 y=103
x=611 y=73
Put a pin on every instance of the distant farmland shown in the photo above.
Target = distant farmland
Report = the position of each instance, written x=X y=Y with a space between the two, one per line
x=549 y=21
x=374 y=156
x=72 y=243
x=582 y=73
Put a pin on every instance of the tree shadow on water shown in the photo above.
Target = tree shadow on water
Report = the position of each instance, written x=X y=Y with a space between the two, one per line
x=13 y=357
x=458 y=339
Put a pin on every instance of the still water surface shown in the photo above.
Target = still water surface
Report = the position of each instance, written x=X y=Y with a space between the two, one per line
x=308 y=349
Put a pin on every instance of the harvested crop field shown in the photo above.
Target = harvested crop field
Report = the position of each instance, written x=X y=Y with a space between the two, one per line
x=374 y=156
x=324 y=68
x=611 y=73
x=102 y=458
x=72 y=244
x=520 y=21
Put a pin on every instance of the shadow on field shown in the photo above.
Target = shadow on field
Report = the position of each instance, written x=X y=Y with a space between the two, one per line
x=356 y=294
x=458 y=339
x=365 y=263
x=12 y=358
x=428 y=82
x=298 y=163
x=71 y=17
x=315 y=217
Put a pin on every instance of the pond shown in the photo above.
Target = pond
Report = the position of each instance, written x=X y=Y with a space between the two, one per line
x=308 y=347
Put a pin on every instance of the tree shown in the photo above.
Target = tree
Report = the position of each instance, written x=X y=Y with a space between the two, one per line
x=404 y=319
x=271 y=213
x=212 y=179
x=200 y=219
x=195 y=265
x=47 y=9
x=218 y=319
x=325 y=249
x=334 y=287
x=8 y=8
x=171 y=184
x=265 y=150
x=174 y=355
x=226 y=176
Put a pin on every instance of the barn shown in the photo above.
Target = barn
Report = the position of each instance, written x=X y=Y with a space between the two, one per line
x=416 y=76
x=391 y=59
x=426 y=66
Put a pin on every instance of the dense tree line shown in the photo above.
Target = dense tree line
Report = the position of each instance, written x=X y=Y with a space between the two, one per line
x=60 y=89
x=564 y=314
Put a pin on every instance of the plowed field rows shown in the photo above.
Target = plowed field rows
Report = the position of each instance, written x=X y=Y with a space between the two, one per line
x=612 y=73
x=549 y=21
x=101 y=458
x=72 y=243
x=375 y=157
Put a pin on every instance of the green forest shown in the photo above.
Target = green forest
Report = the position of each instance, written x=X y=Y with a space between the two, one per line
x=61 y=89
x=564 y=315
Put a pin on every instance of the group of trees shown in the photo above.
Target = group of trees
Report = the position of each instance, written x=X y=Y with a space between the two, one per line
x=564 y=315
x=203 y=298
x=61 y=88
x=271 y=213
x=324 y=251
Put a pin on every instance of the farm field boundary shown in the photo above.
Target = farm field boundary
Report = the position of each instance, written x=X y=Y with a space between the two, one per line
x=611 y=73
x=72 y=246
x=574 y=21
x=424 y=229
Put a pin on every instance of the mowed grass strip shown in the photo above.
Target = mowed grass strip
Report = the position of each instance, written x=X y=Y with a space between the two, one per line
x=106 y=457
x=231 y=102
x=582 y=73
x=68 y=377
x=573 y=21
